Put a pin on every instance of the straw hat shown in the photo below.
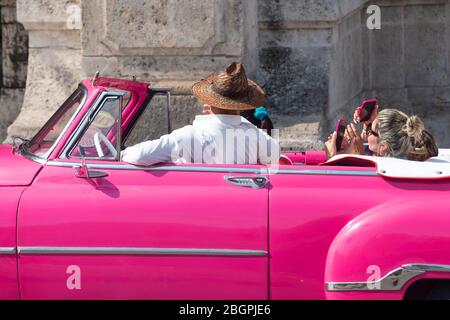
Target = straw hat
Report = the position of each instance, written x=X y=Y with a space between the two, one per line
x=230 y=90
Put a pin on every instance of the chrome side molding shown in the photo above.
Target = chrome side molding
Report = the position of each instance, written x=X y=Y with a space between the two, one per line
x=7 y=251
x=393 y=281
x=324 y=172
x=139 y=251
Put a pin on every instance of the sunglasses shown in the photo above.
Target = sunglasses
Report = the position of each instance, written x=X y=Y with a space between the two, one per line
x=370 y=131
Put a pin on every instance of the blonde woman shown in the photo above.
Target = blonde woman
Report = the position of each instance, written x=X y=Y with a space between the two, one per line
x=389 y=133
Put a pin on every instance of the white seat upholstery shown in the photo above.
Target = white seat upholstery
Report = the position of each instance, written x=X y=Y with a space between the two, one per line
x=435 y=168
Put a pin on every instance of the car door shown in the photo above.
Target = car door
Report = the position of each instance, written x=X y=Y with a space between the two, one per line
x=165 y=232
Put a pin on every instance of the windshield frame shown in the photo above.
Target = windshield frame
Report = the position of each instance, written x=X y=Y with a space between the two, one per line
x=53 y=119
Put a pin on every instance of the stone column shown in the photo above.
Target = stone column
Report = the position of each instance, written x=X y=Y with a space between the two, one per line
x=14 y=53
x=55 y=59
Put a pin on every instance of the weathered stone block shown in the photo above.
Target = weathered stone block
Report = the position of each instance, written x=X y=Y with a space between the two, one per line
x=8 y=3
x=387 y=50
x=52 y=76
x=14 y=68
x=14 y=35
x=426 y=50
x=391 y=98
x=171 y=24
x=15 y=55
x=295 y=10
x=49 y=15
x=69 y=39
x=296 y=79
x=298 y=38
x=299 y=133
x=10 y=104
x=306 y=10
x=164 y=27
x=8 y=14
x=346 y=78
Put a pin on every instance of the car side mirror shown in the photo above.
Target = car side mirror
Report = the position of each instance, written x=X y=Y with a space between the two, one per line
x=82 y=171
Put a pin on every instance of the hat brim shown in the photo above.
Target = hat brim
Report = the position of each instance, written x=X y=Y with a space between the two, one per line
x=203 y=90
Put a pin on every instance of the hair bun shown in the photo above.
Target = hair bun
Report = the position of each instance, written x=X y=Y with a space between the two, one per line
x=414 y=128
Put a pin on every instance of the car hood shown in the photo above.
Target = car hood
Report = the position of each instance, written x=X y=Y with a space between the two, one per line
x=16 y=170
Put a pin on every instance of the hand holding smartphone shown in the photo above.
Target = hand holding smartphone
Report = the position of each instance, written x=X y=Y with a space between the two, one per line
x=366 y=111
x=341 y=127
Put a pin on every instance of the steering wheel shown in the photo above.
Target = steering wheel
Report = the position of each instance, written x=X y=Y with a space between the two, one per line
x=98 y=138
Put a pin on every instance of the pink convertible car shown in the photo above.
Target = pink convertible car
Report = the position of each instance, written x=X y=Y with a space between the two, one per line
x=77 y=223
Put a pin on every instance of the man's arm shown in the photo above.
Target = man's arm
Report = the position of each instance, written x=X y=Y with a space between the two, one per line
x=149 y=153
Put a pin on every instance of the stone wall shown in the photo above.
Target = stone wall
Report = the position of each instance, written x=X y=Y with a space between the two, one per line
x=315 y=58
x=408 y=61
x=54 y=68
x=13 y=69
x=405 y=64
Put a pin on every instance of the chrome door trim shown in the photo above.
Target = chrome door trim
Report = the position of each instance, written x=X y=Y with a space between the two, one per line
x=161 y=168
x=86 y=121
x=8 y=251
x=393 y=281
x=258 y=182
x=139 y=251
x=324 y=172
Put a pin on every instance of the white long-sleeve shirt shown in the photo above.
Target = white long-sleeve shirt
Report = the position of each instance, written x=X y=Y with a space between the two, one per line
x=211 y=139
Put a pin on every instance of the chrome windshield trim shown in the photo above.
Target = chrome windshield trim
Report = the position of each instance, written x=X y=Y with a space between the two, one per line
x=139 y=251
x=8 y=251
x=274 y=171
x=66 y=128
x=161 y=168
x=393 y=281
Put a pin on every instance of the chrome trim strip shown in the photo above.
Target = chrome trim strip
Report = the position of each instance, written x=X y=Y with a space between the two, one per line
x=33 y=157
x=66 y=128
x=271 y=171
x=274 y=171
x=138 y=251
x=428 y=267
x=162 y=168
x=8 y=251
x=393 y=281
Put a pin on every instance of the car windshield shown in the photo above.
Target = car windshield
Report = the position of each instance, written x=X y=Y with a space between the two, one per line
x=44 y=141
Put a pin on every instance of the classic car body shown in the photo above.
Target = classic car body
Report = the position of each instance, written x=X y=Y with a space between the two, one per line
x=195 y=231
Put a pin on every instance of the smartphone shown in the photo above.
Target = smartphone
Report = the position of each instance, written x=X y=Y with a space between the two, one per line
x=341 y=126
x=366 y=109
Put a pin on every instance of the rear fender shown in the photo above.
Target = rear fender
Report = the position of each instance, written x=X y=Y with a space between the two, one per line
x=389 y=247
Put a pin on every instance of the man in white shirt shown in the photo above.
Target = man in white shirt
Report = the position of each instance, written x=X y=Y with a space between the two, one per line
x=220 y=135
